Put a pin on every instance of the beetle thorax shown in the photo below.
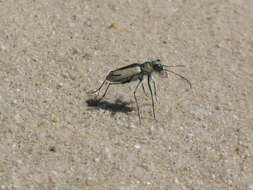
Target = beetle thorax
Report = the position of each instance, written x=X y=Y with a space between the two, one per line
x=147 y=67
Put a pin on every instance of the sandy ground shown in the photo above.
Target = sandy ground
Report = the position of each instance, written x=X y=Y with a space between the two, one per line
x=53 y=136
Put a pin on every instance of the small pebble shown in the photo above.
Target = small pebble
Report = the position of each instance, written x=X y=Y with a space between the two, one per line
x=137 y=146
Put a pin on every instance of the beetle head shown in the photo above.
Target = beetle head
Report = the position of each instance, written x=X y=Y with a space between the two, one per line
x=157 y=65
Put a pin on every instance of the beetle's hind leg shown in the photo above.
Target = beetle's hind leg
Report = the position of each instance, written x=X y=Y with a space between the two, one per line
x=98 y=90
x=111 y=83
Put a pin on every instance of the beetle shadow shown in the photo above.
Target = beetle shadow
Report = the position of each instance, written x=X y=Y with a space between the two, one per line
x=118 y=106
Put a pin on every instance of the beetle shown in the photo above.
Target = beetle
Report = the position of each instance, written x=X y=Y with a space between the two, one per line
x=137 y=71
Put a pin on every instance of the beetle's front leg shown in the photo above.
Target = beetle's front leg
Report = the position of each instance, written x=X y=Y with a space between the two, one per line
x=151 y=92
x=153 y=80
x=137 y=87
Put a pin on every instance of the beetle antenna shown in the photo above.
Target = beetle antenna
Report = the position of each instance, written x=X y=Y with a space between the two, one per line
x=174 y=65
x=182 y=77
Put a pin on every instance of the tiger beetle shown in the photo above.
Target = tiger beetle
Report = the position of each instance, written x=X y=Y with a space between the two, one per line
x=137 y=71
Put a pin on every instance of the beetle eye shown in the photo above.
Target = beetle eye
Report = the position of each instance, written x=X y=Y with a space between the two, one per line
x=158 y=67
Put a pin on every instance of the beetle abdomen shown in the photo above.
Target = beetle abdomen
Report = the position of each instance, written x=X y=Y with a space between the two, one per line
x=124 y=75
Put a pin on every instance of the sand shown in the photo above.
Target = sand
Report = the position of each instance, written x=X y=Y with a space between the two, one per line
x=53 y=135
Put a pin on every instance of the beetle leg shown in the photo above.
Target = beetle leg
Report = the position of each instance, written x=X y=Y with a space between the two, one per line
x=144 y=89
x=150 y=89
x=98 y=90
x=155 y=90
x=111 y=83
x=154 y=84
x=137 y=87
